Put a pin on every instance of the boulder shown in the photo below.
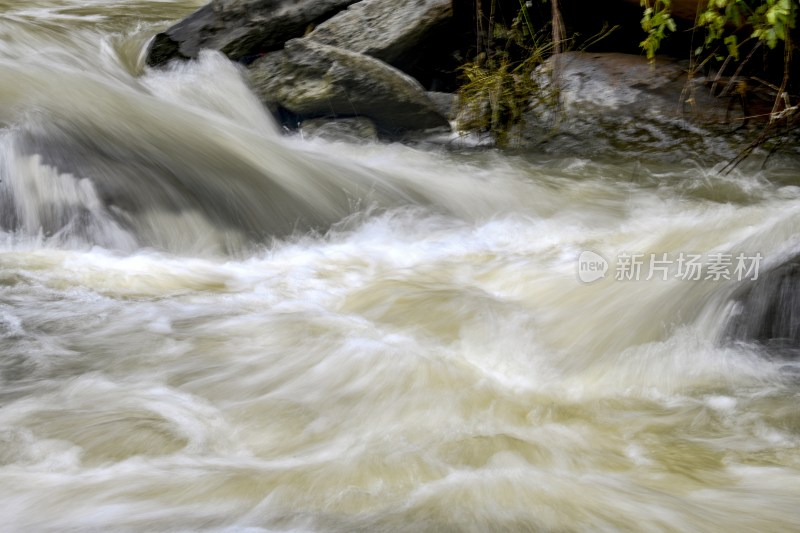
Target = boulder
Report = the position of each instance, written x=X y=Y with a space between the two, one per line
x=393 y=31
x=309 y=80
x=629 y=85
x=355 y=130
x=767 y=310
x=241 y=29
x=612 y=103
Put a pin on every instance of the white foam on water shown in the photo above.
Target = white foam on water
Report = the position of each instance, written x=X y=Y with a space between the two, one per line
x=205 y=326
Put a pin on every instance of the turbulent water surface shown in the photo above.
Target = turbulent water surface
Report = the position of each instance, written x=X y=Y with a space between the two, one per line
x=207 y=326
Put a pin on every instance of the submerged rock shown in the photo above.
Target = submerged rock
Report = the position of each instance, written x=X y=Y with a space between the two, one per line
x=241 y=29
x=767 y=310
x=310 y=80
x=394 y=31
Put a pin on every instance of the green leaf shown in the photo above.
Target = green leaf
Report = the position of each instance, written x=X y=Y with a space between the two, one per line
x=733 y=46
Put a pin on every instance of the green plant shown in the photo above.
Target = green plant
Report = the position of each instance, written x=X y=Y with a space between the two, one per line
x=501 y=85
x=771 y=22
x=656 y=21
x=764 y=24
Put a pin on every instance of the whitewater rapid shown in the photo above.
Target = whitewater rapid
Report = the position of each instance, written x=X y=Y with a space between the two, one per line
x=206 y=325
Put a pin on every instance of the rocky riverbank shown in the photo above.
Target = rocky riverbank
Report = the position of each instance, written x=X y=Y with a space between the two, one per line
x=392 y=66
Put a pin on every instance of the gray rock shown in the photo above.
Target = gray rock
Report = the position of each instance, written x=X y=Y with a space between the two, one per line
x=240 y=28
x=385 y=29
x=619 y=103
x=311 y=80
x=444 y=102
x=353 y=130
x=629 y=85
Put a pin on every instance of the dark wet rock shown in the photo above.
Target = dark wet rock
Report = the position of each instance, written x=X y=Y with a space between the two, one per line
x=352 y=130
x=394 y=31
x=311 y=80
x=767 y=310
x=241 y=29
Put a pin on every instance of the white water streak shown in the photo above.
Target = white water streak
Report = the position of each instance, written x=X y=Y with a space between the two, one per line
x=415 y=353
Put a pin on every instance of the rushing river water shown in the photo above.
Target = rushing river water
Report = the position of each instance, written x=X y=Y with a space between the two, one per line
x=206 y=326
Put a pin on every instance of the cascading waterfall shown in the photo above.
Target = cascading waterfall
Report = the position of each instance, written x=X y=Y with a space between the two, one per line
x=208 y=326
